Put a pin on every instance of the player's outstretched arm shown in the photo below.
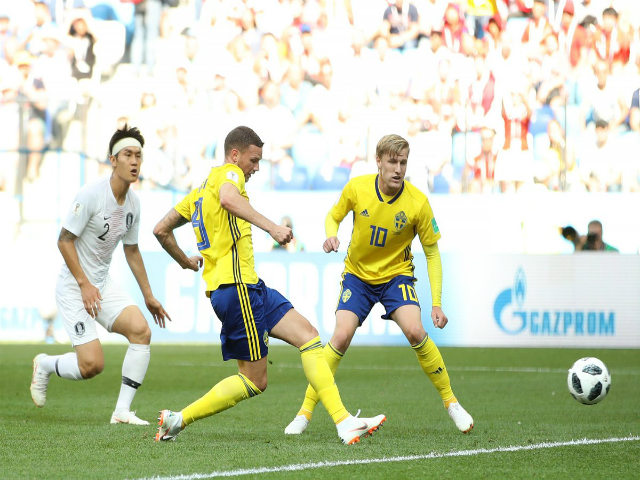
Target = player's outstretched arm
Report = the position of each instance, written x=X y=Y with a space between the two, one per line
x=234 y=203
x=90 y=294
x=136 y=264
x=163 y=232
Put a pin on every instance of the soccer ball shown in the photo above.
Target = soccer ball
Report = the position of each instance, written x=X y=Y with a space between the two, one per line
x=589 y=380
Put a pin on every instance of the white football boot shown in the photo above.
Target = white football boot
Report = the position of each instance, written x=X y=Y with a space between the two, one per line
x=125 y=416
x=297 y=425
x=352 y=429
x=39 y=382
x=460 y=417
x=169 y=425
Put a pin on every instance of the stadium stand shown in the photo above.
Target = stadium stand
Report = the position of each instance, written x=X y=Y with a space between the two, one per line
x=337 y=76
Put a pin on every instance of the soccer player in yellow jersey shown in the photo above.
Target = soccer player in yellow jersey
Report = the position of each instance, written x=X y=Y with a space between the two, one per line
x=388 y=213
x=250 y=312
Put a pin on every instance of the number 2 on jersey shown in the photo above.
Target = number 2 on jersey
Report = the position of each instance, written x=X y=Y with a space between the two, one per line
x=198 y=223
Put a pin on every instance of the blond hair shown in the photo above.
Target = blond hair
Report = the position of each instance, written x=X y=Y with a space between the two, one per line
x=391 y=145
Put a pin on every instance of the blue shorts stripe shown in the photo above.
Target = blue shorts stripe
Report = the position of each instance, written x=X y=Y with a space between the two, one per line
x=251 y=322
x=247 y=318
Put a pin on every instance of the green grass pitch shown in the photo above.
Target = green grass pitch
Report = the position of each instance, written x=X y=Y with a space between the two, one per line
x=518 y=398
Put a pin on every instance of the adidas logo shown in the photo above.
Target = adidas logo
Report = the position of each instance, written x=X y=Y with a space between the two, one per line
x=439 y=370
x=364 y=213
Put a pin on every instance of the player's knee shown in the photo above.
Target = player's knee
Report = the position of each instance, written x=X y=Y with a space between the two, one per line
x=313 y=331
x=140 y=334
x=415 y=335
x=260 y=382
x=262 y=386
x=340 y=340
x=91 y=368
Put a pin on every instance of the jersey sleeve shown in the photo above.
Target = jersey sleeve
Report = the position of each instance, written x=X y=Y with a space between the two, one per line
x=428 y=230
x=183 y=207
x=337 y=213
x=233 y=175
x=82 y=209
x=131 y=237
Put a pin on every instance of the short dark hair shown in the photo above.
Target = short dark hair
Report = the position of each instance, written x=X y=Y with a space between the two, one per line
x=602 y=123
x=125 y=132
x=610 y=11
x=597 y=223
x=241 y=138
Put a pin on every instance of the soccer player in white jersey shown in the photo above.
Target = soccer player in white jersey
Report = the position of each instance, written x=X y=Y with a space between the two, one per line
x=388 y=213
x=102 y=214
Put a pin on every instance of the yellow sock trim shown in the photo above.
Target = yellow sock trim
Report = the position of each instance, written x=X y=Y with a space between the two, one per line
x=321 y=379
x=333 y=357
x=311 y=344
x=433 y=365
x=225 y=394
x=449 y=401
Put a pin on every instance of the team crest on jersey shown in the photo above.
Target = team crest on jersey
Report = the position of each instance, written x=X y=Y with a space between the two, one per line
x=79 y=328
x=129 y=220
x=346 y=295
x=400 y=221
x=265 y=338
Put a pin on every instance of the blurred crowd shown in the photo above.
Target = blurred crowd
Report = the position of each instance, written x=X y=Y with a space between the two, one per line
x=493 y=95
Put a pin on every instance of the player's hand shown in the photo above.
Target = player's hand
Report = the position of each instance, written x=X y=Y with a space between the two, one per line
x=157 y=311
x=194 y=263
x=281 y=234
x=331 y=244
x=91 y=299
x=438 y=317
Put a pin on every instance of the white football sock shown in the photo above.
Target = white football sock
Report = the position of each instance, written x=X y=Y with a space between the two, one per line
x=48 y=363
x=65 y=366
x=134 y=369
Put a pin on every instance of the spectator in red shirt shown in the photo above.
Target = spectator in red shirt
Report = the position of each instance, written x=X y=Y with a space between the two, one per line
x=538 y=27
x=454 y=29
x=610 y=43
x=478 y=176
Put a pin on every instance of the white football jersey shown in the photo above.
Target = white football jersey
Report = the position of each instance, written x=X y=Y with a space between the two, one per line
x=100 y=223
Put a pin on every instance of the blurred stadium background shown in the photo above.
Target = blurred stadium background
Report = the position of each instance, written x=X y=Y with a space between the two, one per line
x=522 y=115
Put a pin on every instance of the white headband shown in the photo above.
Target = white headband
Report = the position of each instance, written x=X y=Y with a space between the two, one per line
x=125 y=142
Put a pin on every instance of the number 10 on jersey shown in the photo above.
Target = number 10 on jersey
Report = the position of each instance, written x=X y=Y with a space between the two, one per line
x=378 y=236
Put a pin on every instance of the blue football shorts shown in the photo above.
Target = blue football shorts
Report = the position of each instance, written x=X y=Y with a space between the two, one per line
x=248 y=312
x=360 y=297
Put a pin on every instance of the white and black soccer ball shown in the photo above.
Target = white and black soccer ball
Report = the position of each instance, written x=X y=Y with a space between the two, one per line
x=589 y=380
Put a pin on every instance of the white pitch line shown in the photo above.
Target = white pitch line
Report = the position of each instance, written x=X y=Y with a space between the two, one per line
x=428 y=456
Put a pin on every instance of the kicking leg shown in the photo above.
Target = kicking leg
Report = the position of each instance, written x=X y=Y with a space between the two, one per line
x=297 y=331
x=334 y=350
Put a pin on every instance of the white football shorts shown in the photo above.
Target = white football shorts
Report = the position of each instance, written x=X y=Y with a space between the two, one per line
x=80 y=326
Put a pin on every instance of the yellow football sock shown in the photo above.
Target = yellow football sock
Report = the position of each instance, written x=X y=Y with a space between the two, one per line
x=333 y=357
x=225 y=394
x=433 y=365
x=321 y=379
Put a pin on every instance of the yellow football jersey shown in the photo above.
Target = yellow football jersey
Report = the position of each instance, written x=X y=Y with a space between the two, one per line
x=224 y=240
x=383 y=228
